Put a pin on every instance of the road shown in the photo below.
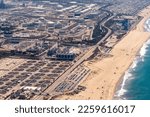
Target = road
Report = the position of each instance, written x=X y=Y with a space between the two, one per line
x=83 y=58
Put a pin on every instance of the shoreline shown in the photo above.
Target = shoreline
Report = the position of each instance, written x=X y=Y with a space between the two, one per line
x=100 y=84
x=120 y=81
x=118 y=85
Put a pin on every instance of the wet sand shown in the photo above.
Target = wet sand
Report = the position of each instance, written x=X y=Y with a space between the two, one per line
x=106 y=73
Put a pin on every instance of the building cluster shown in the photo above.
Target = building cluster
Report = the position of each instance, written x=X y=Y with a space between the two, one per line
x=2 y=4
x=30 y=30
x=51 y=38
x=121 y=24
x=127 y=7
x=54 y=38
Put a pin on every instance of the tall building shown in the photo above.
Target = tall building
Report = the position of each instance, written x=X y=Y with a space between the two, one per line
x=2 y=4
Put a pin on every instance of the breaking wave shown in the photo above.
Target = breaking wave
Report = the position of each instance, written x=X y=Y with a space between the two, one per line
x=128 y=74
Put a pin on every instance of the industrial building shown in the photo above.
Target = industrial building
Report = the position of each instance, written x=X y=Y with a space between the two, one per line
x=52 y=40
x=2 y=4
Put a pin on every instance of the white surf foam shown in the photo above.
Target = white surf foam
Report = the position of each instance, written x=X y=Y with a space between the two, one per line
x=122 y=89
x=134 y=64
x=145 y=45
x=128 y=74
x=147 y=25
x=144 y=49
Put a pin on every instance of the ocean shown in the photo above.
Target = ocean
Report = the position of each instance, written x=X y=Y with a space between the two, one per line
x=135 y=84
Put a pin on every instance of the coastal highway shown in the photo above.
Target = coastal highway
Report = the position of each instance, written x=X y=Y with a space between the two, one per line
x=50 y=90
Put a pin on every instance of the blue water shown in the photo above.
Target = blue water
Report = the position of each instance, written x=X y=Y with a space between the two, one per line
x=136 y=81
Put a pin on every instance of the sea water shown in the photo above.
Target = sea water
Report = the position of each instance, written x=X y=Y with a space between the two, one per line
x=135 y=84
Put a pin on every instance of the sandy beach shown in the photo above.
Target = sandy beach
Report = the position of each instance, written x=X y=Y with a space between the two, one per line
x=106 y=73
